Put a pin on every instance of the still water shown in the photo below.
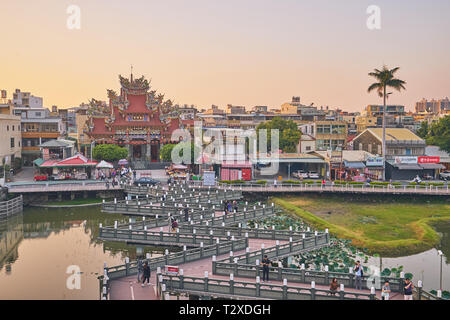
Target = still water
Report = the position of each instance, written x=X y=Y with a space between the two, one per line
x=37 y=247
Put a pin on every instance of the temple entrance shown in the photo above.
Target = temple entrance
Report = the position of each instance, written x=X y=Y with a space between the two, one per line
x=154 y=152
x=137 y=152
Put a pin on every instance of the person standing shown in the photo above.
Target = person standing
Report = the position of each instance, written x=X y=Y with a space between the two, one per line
x=186 y=214
x=235 y=206
x=359 y=274
x=140 y=268
x=385 y=291
x=225 y=207
x=147 y=273
x=408 y=292
x=134 y=175
x=265 y=265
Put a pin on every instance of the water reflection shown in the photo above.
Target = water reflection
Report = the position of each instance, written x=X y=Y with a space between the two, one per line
x=38 y=246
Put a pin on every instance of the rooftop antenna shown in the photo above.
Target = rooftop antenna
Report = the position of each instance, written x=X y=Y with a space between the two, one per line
x=131 y=78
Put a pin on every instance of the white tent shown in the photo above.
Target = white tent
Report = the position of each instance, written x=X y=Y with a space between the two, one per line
x=104 y=164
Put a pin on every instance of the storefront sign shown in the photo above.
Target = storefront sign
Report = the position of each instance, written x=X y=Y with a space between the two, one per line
x=429 y=159
x=374 y=162
x=406 y=160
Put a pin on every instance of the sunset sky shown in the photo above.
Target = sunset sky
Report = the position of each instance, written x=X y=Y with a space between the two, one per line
x=243 y=52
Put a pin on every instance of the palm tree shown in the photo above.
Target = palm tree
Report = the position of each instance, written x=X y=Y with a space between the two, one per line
x=386 y=79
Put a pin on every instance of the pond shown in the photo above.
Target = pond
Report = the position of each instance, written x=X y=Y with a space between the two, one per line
x=37 y=247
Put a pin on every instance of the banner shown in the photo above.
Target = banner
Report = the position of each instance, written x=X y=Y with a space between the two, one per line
x=374 y=162
x=429 y=159
x=406 y=160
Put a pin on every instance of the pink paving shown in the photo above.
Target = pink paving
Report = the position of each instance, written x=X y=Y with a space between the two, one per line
x=128 y=288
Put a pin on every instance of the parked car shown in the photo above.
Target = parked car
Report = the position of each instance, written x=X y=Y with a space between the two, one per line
x=445 y=175
x=313 y=175
x=145 y=181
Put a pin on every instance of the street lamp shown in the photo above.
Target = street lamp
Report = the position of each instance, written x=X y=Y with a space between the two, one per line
x=441 y=254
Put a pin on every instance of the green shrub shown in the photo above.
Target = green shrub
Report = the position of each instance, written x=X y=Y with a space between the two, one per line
x=261 y=182
x=290 y=182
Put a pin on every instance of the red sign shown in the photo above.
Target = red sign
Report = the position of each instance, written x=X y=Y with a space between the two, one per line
x=171 y=270
x=429 y=160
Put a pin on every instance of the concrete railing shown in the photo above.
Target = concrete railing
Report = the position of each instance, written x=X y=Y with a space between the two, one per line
x=232 y=289
x=177 y=258
x=280 y=250
x=282 y=235
x=345 y=188
x=11 y=207
x=305 y=276
x=159 y=238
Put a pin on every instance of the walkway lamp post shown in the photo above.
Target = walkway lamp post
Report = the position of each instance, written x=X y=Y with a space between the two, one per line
x=441 y=254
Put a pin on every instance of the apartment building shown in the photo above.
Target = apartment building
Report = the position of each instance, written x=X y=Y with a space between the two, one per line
x=37 y=127
x=328 y=135
x=440 y=106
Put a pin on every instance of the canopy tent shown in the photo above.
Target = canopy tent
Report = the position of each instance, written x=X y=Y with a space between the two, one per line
x=104 y=164
x=75 y=161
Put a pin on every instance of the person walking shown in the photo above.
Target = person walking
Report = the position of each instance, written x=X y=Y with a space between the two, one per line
x=170 y=222
x=134 y=175
x=140 y=268
x=147 y=272
x=235 y=205
x=265 y=265
x=333 y=286
x=408 y=292
x=359 y=274
x=229 y=206
x=385 y=291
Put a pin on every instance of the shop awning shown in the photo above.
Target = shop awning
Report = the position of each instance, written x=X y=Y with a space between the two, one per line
x=354 y=165
x=433 y=166
x=411 y=166
x=38 y=161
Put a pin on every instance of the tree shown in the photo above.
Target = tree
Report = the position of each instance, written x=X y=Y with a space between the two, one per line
x=288 y=132
x=386 y=79
x=109 y=152
x=423 y=130
x=166 y=152
x=439 y=134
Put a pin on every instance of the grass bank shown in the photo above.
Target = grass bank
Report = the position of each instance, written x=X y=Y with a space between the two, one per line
x=389 y=229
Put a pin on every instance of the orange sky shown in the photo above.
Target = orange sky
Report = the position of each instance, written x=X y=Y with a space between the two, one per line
x=218 y=52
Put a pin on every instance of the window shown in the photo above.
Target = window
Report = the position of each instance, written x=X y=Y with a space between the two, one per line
x=308 y=148
x=7 y=128
x=13 y=128
x=12 y=142
x=38 y=114
x=323 y=129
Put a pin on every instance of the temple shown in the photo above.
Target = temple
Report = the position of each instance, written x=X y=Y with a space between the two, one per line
x=138 y=118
